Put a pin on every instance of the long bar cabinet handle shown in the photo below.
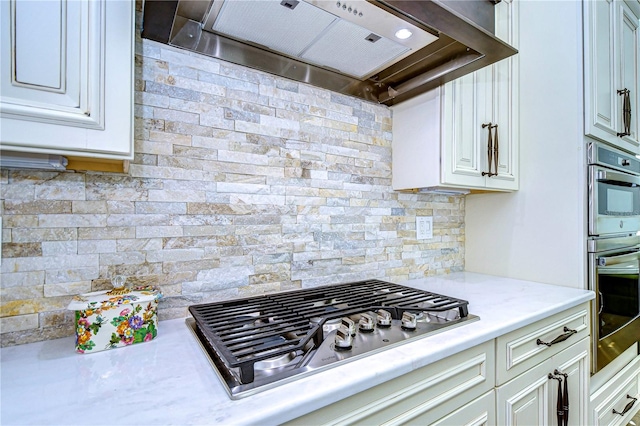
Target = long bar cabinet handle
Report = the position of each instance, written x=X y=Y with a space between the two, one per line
x=565 y=397
x=489 y=148
x=492 y=149
x=495 y=149
x=626 y=112
x=559 y=402
x=561 y=338
x=627 y=407
x=562 y=402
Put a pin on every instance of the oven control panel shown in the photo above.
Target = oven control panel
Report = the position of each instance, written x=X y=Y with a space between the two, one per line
x=606 y=156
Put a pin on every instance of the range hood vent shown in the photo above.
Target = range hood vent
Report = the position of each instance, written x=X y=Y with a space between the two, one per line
x=381 y=51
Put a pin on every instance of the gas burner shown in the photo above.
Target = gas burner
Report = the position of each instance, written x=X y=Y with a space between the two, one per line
x=259 y=342
x=328 y=325
x=277 y=361
x=327 y=307
x=328 y=302
x=425 y=304
x=251 y=321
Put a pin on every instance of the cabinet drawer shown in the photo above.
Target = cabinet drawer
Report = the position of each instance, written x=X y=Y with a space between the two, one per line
x=428 y=393
x=479 y=412
x=616 y=395
x=526 y=347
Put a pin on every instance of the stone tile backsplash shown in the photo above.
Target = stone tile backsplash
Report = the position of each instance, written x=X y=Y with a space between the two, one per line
x=242 y=184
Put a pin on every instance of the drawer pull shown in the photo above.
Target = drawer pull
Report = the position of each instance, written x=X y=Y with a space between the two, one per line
x=561 y=338
x=627 y=407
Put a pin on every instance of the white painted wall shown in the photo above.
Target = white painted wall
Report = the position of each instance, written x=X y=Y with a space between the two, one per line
x=538 y=233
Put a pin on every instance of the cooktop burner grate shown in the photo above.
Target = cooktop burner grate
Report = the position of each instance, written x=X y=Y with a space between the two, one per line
x=243 y=332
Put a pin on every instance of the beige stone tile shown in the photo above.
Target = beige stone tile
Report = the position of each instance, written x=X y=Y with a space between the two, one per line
x=19 y=323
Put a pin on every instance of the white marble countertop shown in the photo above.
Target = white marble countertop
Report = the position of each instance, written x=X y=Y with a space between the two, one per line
x=170 y=381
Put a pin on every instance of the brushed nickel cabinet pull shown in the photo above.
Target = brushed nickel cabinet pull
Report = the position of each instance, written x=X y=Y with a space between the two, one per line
x=626 y=112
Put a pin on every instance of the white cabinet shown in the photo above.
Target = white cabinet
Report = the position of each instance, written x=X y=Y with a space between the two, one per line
x=422 y=397
x=465 y=134
x=523 y=349
x=617 y=401
x=532 y=397
x=67 y=77
x=505 y=381
x=612 y=72
x=533 y=360
x=480 y=118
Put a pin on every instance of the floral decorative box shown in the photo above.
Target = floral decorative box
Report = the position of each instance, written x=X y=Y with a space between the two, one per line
x=115 y=318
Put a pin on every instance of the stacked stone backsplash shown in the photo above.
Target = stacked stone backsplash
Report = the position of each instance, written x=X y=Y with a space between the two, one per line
x=243 y=183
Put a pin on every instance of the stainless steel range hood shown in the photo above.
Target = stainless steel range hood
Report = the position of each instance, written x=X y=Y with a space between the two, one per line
x=348 y=46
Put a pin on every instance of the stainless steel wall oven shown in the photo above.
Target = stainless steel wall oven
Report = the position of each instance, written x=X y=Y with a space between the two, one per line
x=613 y=251
x=613 y=275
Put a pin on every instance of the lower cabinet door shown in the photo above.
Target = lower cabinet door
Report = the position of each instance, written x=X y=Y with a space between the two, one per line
x=532 y=397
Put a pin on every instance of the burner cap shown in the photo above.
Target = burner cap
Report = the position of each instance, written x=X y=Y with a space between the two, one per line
x=275 y=362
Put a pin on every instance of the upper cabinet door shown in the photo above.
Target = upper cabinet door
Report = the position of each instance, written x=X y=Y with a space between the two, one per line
x=628 y=76
x=505 y=101
x=49 y=50
x=480 y=119
x=611 y=54
x=467 y=105
x=67 y=77
x=453 y=137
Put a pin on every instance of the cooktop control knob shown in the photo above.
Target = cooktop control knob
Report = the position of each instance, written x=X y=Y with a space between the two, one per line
x=409 y=321
x=349 y=325
x=366 y=323
x=343 y=339
x=384 y=318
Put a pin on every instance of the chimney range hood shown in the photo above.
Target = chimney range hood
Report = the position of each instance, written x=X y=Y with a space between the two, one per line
x=381 y=51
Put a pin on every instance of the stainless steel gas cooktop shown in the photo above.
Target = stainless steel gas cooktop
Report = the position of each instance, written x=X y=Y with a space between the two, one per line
x=260 y=342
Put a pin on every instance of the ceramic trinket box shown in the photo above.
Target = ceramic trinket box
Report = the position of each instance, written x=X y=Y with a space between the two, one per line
x=119 y=317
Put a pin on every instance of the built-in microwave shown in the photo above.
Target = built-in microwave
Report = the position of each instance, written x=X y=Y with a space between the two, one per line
x=614 y=192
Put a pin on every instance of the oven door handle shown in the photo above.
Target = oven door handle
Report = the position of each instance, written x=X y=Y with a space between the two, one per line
x=617 y=260
x=617 y=270
x=601 y=297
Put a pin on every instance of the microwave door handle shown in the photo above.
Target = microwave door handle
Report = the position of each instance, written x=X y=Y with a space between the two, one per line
x=613 y=177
